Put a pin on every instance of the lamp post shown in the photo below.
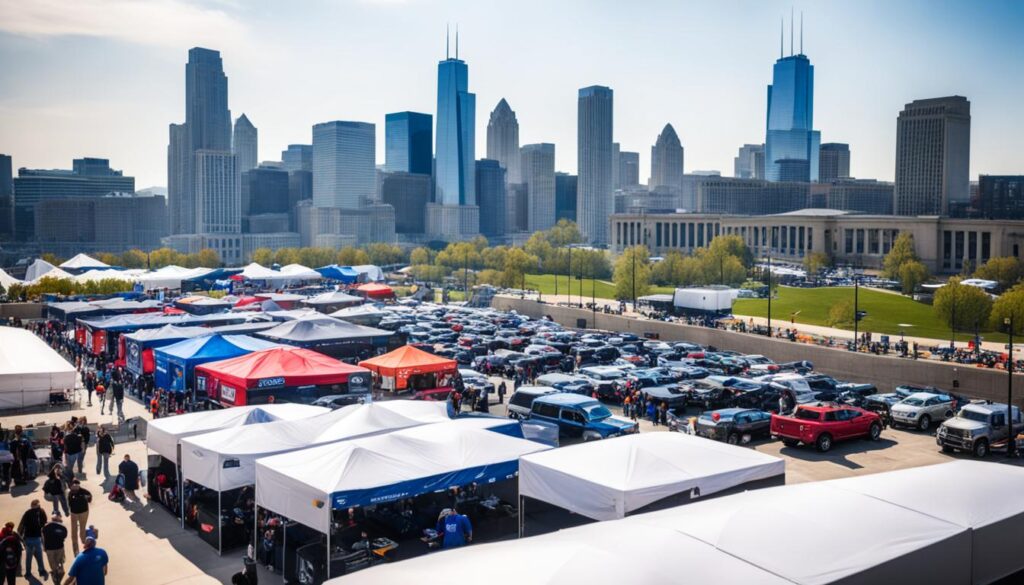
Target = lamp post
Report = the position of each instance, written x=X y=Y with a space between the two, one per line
x=856 y=310
x=593 y=298
x=465 y=275
x=769 y=293
x=952 y=325
x=1011 y=442
x=568 y=276
x=634 y=278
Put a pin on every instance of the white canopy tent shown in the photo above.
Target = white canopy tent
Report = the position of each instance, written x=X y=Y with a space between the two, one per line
x=169 y=277
x=372 y=273
x=41 y=269
x=957 y=522
x=30 y=370
x=6 y=280
x=298 y=272
x=164 y=434
x=204 y=457
x=386 y=467
x=605 y=480
x=102 y=274
x=80 y=261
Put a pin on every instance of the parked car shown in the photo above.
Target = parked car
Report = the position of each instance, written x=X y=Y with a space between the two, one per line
x=821 y=426
x=607 y=380
x=921 y=409
x=521 y=401
x=336 y=401
x=734 y=425
x=580 y=417
x=567 y=383
x=976 y=428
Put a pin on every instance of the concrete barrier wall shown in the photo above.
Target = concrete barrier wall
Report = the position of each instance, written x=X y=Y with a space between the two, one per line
x=22 y=310
x=884 y=372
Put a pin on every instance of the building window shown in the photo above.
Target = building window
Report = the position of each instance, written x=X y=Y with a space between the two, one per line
x=689 y=235
x=958 y=251
x=873 y=246
x=810 y=238
x=986 y=246
x=848 y=236
x=947 y=249
x=972 y=248
x=860 y=241
x=800 y=243
x=700 y=235
x=675 y=235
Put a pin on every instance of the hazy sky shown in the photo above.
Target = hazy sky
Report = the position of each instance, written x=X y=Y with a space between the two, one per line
x=105 y=77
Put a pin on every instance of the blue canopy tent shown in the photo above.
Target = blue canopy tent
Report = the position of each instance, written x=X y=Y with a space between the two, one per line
x=175 y=364
x=139 y=346
x=345 y=274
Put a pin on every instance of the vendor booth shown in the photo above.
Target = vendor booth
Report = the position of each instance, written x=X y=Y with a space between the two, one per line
x=362 y=315
x=197 y=305
x=31 y=372
x=330 y=336
x=285 y=301
x=605 y=480
x=920 y=525
x=290 y=374
x=376 y=291
x=175 y=364
x=343 y=274
x=408 y=369
x=164 y=436
x=136 y=349
x=332 y=301
x=223 y=462
x=389 y=487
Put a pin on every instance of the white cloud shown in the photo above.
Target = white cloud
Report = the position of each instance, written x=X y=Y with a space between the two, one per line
x=167 y=23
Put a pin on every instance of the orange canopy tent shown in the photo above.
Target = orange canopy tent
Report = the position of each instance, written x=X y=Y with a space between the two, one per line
x=375 y=291
x=408 y=361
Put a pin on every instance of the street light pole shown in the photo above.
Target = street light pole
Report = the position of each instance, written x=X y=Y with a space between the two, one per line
x=856 y=310
x=634 y=278
x=952 y=325
x=1011 y=442
x=769 y=293
x=593 y=299
x=568 y=276
x=465 y=276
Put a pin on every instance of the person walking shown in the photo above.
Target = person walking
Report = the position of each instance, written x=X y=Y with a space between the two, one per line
x=78 y=501
x=10 y=553
x=85 y=432
x=31 y=531
x=73 y=452
x=117 y=394
x=54 y=536
x=101 y=393
x=56 y=443
x=55 y=489
x=129 y=471
x=104 y=449
x=652 y=412
x=455 y=529
x=90 y=567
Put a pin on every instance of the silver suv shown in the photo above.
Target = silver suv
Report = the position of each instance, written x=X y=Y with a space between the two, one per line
x=920 y=409
x=976 y=428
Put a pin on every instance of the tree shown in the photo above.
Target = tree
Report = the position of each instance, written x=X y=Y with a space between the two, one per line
x=384 y=254
x=263 y=256
x=459 y=255
x=633 y=273
x=517 y=263
x=913 y=274
x=815 y=262
x=669 y=270
x=902 y=251
x=564 y=233
x=719 y=268
x=419 y=256
x=316 y=256
x=52 y=258
x=109 y=258
x=841 y=314
x=961 y=306
x=207 y=258
x=1010 y=304
x=165 y=257
x=731 y=246
x=1006 y=270
x=134 y=258
x=350 y=256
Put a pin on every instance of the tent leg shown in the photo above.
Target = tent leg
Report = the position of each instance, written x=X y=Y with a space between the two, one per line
x=328 y=571
x=181 y=487
x=522 y=507
x=220 y=526
x=284 y=554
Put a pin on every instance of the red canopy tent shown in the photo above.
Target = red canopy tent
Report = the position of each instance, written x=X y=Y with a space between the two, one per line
x=373 y=290
x=408 y=361
x=287 y=373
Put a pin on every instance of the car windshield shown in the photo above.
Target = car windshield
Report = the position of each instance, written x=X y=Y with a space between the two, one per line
x=602 y=375
x=913 y=402
x=805 y=414
x=974 y=415
x=597 y=411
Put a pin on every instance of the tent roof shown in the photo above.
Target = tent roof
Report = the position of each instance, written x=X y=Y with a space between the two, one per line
x=299 y=366
x=371 y=271
x=332 y=298
x=255 y=271
x=344 y=473
x=373 y=287
x=6 y=280
x=30 y=369
x=202 y=301
x=167 y=332
x=405 y=358
x=342 y=273
x=41 y=268
x=321 y=328
x=279 y=297
x=201 y=462
x=163 y=434
x=215 y=346
x=359 y=311
x=300 y=272
x=80 y=261
x=631 y=472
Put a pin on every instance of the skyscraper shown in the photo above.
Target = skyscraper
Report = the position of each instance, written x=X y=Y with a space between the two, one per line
x=503 y=140
x=244 y=144
x=206 y=101
x=218 y=199
x=790 y=133
x=6 y=199
x=343 y=164
x=629 y=170
x=492 y=195
x=537 y=166
x=408 y=143
x=298 y=157
x=565 y=197
x=409 y=194
x=594 y=162
x=749 y=162
x=933 y=147
x=456 y=135
x=834 y=162
x=667 y=161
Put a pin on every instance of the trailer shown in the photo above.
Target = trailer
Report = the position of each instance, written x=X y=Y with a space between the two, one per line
x=704 y=300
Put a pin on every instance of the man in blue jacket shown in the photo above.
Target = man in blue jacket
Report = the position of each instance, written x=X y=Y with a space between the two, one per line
x=455 y=529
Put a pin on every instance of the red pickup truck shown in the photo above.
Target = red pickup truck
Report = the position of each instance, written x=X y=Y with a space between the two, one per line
x=821 y=426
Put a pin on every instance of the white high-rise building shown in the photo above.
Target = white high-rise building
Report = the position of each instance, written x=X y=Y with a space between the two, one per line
x=667 y=161
x=218 y=199
x=537 y=165
x=244 y=143
x=503 y=140
x=344 y=173
x=594 y=201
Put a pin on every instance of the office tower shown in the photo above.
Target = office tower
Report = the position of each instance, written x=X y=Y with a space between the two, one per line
x=667 y=161
x=749 y=162
x=833 y=162
x=265 y=200
x=409 y=194
x=218 y=199
x=537 y=165
x=616 y=151
x=344 y=175
x=6 y=199
x=492 y=196
x=594 y=162
x=456 y=138
x=933 y=147
x=629 y=170
x=298 y=157
x=111 y=223
x=1001 y=196
x=503 y=140
x=517 y=210
x=790 y=131
x=565 y=197
x=88 y=178
x=408 y=143
x=180 y=200
x=244 y=143
x=861 y=195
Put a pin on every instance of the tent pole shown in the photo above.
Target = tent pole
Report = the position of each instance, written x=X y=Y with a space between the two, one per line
x=329 y=522
x=220 y=526
x=522 y=508
x=284 y=553
x=181 y=486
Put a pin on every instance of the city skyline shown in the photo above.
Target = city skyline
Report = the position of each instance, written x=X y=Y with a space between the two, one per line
x=51 y=112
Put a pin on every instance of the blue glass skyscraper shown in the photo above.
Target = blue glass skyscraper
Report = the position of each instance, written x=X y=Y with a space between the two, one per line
x=790 y=136
x=408 y=143
x=456 y=137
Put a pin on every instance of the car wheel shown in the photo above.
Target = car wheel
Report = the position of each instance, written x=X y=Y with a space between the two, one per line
x=790 y=442
x=875 y=431
x=824 y=442
x=981 y=448
x=924 y=423
x=947 y=449
x=733 y=439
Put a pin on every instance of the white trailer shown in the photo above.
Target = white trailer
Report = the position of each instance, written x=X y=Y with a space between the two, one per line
x=704 y=300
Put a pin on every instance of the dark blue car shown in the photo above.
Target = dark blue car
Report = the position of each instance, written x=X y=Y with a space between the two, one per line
x=580 y=417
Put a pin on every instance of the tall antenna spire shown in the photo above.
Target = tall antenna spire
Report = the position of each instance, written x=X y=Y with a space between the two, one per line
x=790 y=31
x=457 y=39
x=447 y=39
x=782 y=34
x=801 y=32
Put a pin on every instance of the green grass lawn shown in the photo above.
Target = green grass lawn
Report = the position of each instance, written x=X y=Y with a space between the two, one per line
x=545 y=283
x=885 y=311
